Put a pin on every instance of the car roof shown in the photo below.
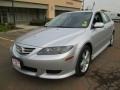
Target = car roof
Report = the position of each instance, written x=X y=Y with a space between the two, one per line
x=84 y=11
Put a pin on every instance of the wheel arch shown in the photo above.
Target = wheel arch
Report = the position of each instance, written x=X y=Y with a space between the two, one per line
x=81 y=47
x=90 y=45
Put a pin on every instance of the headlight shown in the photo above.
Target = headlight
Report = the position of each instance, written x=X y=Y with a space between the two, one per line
x=54 y=50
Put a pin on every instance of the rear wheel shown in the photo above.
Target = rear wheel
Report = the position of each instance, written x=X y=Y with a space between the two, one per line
x=112 y=40
x=83 y=61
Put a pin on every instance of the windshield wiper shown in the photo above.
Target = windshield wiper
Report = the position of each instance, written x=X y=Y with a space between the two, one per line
x=60 y=27
x=54 y=26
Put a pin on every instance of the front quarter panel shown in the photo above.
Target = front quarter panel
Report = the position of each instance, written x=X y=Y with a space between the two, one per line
x=81 y=42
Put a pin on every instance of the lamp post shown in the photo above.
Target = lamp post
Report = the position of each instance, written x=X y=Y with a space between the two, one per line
x=93 y=5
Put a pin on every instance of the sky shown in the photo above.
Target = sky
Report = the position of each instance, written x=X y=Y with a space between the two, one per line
x=111 y=5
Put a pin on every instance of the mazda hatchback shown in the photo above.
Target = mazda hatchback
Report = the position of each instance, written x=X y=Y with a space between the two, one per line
x=65 y=46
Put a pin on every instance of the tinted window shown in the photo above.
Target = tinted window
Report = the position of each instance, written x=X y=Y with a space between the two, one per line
x=97 y=18
x=71 y=20
x=106 y=18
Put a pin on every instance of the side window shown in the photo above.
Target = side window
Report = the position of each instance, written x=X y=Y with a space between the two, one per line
x=106 y=19
x=97 y=18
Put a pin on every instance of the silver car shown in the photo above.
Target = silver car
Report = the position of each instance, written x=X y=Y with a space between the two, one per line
x=65 y=46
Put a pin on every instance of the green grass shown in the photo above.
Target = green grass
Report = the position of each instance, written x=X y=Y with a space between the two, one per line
x=3 y=28
x=6 y=27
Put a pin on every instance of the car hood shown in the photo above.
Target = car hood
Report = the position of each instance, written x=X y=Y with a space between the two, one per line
x=50 y=36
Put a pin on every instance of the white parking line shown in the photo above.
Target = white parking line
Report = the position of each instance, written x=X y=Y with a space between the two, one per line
x=6 y=39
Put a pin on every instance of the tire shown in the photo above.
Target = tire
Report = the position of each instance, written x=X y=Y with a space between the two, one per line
x=80 y=67
x=112 y=40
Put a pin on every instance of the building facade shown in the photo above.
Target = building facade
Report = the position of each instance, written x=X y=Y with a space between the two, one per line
x=24 y=11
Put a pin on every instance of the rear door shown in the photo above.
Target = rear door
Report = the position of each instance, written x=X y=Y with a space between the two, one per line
x=98 y=34
x=108 y=26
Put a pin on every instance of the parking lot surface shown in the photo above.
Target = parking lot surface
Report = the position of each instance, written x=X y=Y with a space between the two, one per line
x=104 y=72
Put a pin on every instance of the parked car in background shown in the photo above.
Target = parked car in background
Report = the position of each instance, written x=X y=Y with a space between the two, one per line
x=65 y=46
x=114 y=16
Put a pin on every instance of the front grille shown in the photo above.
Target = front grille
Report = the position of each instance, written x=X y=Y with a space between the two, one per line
x=24 y=50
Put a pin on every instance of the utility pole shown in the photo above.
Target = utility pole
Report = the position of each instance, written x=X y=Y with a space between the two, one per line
x=83 y=4
x=13 y=12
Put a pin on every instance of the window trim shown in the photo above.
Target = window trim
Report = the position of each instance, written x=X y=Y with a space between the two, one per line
x=94 y=18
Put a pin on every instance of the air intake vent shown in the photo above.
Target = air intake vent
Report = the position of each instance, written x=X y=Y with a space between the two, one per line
x=24 y=50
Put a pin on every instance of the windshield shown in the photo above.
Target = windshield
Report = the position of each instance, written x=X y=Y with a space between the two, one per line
x=71 y=20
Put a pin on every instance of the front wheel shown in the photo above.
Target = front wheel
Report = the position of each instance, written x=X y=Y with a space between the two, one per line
x=83 y=61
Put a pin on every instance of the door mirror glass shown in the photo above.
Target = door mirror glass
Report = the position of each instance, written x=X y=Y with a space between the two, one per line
x=99 y=25
x=118 y=14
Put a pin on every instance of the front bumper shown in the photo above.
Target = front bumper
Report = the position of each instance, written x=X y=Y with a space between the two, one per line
x=39 y=65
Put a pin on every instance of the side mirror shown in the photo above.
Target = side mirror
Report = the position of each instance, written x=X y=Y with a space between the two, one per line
x=99 y=25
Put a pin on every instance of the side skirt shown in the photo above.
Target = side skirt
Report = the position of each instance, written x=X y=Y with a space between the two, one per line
x=100 y=51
